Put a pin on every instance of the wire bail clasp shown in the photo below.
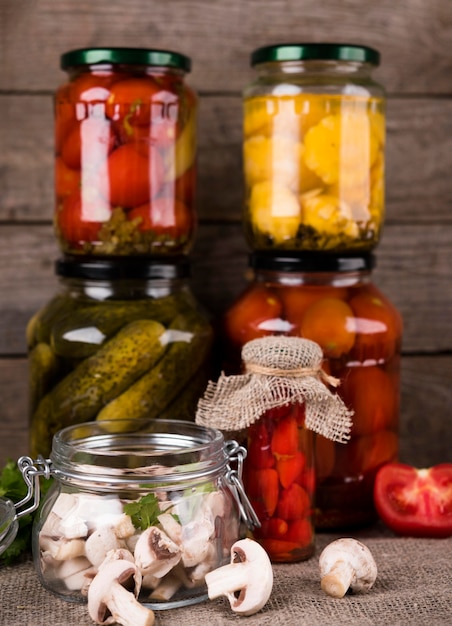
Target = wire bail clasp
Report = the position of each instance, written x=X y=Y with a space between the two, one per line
x=236 y=454
x=31 y=471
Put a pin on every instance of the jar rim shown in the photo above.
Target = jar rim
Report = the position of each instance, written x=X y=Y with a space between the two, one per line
x=315 y=51
x=156 y=453
x=96 y=268
x=127 y=56
x=312 y=262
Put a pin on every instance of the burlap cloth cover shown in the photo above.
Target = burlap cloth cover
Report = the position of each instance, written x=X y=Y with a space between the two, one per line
x=278 y=370
x=413 y=588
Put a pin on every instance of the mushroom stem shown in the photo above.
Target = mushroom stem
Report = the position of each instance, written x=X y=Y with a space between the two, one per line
x=338 y=580
x=227 y=579
x=126 y=610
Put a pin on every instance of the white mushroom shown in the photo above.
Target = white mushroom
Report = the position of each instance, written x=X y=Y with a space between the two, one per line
x=155 y=553
x=100 y=543
x=112 y=596
x=346 y=564
x=73 y=572
x=167 y=587
x=247 y=581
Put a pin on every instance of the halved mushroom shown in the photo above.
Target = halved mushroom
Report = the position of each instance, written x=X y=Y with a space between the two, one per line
x=346 y=564
x=112 y=596
x=247 y=581
x=155 y=553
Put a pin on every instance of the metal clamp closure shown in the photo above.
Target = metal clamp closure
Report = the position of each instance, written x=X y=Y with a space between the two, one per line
x=236 y=454
x=31 y=471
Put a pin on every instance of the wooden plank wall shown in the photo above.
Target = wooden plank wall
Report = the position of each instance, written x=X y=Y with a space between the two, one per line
x=415 y=254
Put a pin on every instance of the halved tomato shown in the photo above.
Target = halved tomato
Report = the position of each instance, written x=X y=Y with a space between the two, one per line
x=415 y=502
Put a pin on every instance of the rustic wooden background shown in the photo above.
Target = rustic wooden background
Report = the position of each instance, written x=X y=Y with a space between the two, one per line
x=415 y=254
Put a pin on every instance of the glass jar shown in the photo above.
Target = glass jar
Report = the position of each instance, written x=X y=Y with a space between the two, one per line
x=125 y=153
x=121 y=338
x=124 y=486
x=331 y=300
x=314 y=149
x=278 y=475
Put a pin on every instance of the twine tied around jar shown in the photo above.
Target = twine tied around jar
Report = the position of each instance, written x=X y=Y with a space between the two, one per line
x=278 y=370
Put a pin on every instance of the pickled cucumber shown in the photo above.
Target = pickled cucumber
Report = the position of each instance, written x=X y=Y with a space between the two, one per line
x=80 y=333
x=40 y=325
x=42 y=368
x=184 y=405
x=190 y=340
x=100 y=378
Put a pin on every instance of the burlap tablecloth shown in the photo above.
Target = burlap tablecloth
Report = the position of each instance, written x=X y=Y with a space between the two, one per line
x=414 y=587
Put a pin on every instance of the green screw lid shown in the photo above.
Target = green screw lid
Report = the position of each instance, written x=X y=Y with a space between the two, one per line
x=127 y=56
x=315 y=51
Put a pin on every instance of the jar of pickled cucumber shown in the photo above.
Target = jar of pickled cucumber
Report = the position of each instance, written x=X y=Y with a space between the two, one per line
x=125 y=153
x=331 y=299
x=314 y=149
x=121 y=338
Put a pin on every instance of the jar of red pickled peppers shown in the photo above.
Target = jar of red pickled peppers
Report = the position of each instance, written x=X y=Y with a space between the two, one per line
x=331 y=300
x=125 y=153
x=279 y=401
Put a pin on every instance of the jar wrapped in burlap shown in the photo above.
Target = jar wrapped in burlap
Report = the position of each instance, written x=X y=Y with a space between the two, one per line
x=278 y=370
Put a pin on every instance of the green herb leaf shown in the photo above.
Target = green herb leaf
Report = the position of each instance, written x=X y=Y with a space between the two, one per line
x=144 y=512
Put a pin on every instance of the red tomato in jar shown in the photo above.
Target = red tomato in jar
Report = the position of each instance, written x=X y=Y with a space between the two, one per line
x=88 y=143
x=129 y=100
x=67 y=180
x=378 y=327
x=330 y=323
x=325 y=456
x=79 y=219
x=253 y=315
x=165 y=216
x=296 y=300
x=133 y=178
x=373 y=396
x=92 y=86
x=366 y=454
x=415 y=502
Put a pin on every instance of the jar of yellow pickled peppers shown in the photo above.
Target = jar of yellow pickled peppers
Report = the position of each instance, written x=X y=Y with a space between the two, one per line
x=314 y=148
x=125 y=153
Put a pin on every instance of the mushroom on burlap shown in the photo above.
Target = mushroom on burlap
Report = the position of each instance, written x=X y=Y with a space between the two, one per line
x=247 y=581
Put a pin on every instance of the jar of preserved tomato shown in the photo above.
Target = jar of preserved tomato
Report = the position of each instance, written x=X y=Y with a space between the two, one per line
x=161 y=496
x=331 y=300
x=314 y=148
x=125 y=153
x=121 y=338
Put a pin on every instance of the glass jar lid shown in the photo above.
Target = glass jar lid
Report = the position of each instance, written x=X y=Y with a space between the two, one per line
x=95 y=268
x=312 y=262
x=126 y=56
x=315 y=51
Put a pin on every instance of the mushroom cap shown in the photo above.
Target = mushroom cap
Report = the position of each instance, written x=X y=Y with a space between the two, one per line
x=354 y=554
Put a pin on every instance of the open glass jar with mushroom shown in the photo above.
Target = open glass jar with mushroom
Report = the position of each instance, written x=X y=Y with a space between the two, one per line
x=159 y=494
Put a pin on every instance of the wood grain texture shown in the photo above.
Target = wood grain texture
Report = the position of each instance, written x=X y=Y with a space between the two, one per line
x=418 y=159
x=414 y=36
